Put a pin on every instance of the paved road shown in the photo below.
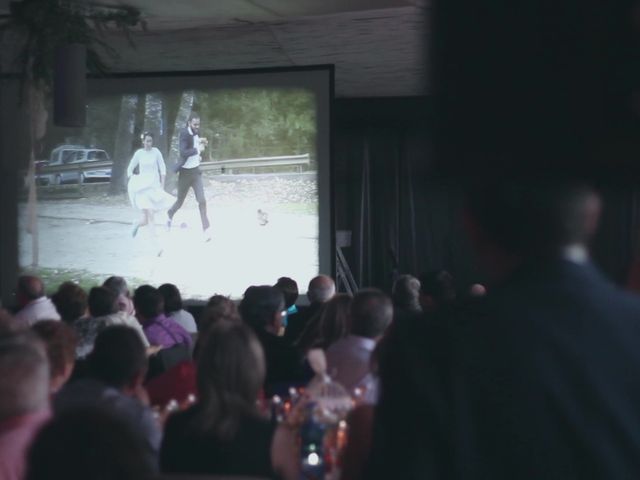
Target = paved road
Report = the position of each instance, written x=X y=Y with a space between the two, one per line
x=97 y=238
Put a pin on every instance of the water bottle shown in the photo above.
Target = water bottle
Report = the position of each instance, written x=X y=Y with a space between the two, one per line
x=312 y=435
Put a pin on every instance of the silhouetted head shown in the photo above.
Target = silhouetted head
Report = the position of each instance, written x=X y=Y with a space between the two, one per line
x=70 y=301
x=29 y=288
x=262 y=307
x=371 y=313
x=321 y=289
x=289 y=289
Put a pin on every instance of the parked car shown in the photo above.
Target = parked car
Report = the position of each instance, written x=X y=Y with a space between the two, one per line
x=75 y=155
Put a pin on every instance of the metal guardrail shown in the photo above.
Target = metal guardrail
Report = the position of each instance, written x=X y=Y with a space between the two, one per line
x=228 y=166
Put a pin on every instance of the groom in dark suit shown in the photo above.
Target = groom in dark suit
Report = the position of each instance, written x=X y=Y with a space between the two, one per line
x=189 y=173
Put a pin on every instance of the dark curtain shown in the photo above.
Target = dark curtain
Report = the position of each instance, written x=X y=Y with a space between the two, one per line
x=406 y=219
x=403 y=220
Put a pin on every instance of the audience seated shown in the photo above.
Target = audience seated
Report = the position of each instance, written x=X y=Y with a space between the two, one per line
x=119 y=285
x=103 y=307
x=349 y=359
x=436 y=289
x=118 y=365
x=223 y=433
x=72 y=303
x=219 y=308
x=406 y=297
x=544 y=385
x=24 y=398
x=60 y=342
x=158 y=329
x=262 y=308
x=331 y=323
x=86 y=444
x=173 y=308
x=32 y=303
x=320 y=290
x=289 y=288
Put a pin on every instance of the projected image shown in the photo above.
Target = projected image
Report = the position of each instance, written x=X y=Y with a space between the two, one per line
x=212 y=190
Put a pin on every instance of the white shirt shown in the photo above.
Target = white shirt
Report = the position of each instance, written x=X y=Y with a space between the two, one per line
x=576 y=254
x=123 y=318
x=349 y=360
x=35 y=311
x=194 y=160
x=185 y=320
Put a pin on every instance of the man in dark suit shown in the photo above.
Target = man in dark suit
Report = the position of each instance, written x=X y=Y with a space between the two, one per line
x=544 y=381
x=191 y=147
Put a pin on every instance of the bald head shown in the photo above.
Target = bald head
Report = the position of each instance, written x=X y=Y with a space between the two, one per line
x=24 y=375
x=321 y=289
x=29 y=288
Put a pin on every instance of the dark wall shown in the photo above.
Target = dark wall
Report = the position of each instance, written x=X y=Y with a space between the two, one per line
x=405 y=214
x=404 y=218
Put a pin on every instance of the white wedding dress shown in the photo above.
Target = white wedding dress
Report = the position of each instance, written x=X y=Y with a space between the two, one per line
x=144 y=188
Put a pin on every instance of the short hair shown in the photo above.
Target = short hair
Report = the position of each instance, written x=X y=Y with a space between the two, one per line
x=102 y=301
x=335 y=318
x=117 y=284
x=219 y=308
x=260 y=304
x=118 y=356
x=371 y=313
x=289 y=289
x=87 y=443
x=70 y=301
x=60 y=341
x=439 y=285
x=24 y=374
x=147 y=301
x=146 y=134
x=193 y=116
x=171 y=296
x=321 y=289
x=30 y=286
x=532 y=217
x=406 y=292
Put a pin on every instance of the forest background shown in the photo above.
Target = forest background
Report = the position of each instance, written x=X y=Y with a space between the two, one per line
x=238 y=123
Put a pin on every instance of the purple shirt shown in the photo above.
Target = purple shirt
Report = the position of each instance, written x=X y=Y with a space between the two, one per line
x=164 y=331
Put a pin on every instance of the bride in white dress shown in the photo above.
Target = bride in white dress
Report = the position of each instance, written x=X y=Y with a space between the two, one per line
x=146 y=188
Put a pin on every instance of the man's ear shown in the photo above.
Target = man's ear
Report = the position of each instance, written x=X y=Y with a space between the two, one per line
x=593 y=208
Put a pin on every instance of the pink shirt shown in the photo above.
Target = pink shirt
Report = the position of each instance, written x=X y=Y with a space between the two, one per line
x=16 y=435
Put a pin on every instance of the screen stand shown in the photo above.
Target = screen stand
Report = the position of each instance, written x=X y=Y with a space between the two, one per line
x=344 y=278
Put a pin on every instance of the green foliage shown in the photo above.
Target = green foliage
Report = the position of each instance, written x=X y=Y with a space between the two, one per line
x=258 y=122
x=239 y=123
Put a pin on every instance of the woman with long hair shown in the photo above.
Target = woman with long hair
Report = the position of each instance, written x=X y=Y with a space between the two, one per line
x=146 y=188
x=330 y=324
x=224 y=433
